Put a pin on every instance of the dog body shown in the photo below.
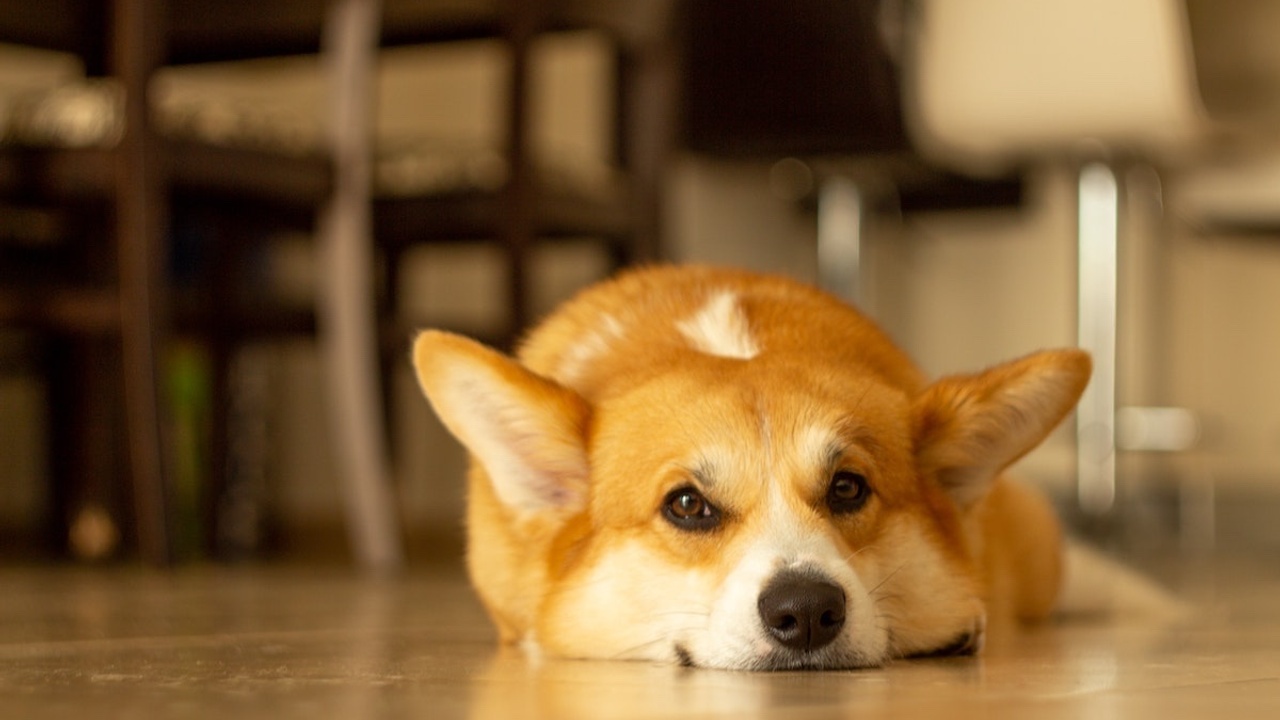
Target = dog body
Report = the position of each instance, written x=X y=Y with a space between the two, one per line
x=738 y=471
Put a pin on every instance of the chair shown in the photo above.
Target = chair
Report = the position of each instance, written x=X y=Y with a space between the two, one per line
x=1096 y=84
x=524 y=205
x=813 y=86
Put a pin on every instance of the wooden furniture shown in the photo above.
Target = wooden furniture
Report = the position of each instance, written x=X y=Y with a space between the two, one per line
x=144 y=178
x=131 y=181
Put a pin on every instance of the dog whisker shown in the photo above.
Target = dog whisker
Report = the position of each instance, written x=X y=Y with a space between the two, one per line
x=886 y=579
x=665 y=637
x=856 y=553
x=693 y=613
x=857 y=405
x=572 y=588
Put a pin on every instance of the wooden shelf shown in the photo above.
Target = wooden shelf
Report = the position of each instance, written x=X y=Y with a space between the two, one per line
x=477 y=215
x=203 y=31
x=189 y=165
x=70 y=308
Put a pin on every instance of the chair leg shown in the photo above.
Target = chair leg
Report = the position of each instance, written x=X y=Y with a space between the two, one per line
x=841 y=221
x=521 y=192
x=140 y=232
x=1098 y=238
x=1103 y=427
x=345 y=309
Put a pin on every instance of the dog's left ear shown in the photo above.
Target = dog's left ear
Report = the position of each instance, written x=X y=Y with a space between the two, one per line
x=970 y=427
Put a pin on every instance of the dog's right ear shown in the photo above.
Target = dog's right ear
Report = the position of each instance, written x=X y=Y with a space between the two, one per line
x=528 y=432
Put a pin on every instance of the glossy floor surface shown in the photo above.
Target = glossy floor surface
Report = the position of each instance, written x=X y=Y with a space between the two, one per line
x=290 y=642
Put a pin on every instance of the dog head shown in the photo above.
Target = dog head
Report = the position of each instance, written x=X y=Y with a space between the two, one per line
x=779 y=511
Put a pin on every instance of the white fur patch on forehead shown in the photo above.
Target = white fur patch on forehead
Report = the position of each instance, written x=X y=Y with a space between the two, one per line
x=720 y=328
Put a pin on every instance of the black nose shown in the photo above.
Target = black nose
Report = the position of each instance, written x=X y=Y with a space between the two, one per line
x=802 y=611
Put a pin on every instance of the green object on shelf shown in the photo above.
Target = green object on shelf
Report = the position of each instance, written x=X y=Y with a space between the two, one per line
x=189 y=378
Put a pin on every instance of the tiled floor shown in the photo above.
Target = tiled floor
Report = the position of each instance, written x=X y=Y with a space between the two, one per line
x=292 y=642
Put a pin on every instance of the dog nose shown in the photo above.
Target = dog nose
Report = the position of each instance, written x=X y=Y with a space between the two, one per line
x=802 y=611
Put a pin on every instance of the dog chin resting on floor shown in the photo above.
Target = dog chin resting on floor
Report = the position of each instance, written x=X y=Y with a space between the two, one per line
x=730 y=470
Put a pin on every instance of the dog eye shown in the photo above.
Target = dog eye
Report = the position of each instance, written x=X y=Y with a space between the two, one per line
x=688 y=510
x=848 y=492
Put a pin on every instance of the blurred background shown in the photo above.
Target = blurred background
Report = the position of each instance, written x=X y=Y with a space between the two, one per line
x=221 y=221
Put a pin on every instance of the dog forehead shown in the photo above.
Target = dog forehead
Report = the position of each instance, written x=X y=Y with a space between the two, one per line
x=740 y=436
x=682 y=424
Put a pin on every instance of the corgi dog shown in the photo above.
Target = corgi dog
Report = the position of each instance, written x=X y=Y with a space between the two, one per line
x=729 y=470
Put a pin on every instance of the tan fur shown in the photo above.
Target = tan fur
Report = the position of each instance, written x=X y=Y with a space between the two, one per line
x=755 y=391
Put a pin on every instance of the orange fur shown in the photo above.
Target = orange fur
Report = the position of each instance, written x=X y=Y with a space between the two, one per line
x=755 y=393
